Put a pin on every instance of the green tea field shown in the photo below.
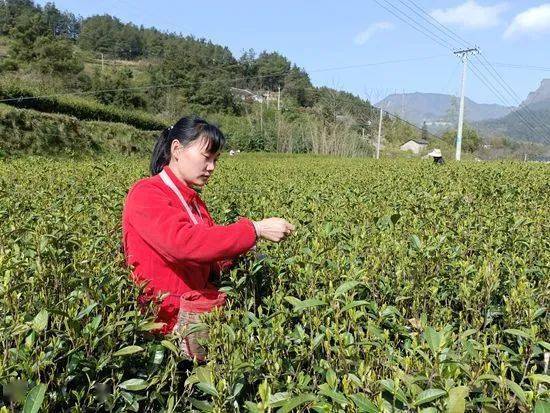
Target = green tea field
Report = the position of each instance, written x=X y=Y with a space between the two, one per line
x=406 y=287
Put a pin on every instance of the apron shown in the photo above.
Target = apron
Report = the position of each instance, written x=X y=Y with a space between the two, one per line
x=195 y=302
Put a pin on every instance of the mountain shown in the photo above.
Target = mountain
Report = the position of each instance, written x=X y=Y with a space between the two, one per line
x=438 y=109
x=540 y=98
x=530 y=122
x=525 y=124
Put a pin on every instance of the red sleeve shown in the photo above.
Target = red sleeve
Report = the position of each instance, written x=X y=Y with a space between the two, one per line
x=168 y=230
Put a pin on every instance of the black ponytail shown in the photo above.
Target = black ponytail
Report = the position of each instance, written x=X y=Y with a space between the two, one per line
x=161 y=152
x=186 y=130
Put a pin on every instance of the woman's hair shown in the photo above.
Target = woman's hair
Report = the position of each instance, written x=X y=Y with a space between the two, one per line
x=185 y=130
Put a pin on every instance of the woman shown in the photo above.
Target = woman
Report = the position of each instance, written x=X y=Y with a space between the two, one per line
x=169 y=237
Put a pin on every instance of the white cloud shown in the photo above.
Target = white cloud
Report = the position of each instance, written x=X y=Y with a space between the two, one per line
x=362 y=37
x=471 y=15
x=535 y=20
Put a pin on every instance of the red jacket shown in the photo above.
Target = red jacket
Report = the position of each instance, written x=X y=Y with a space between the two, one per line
x=167 y=250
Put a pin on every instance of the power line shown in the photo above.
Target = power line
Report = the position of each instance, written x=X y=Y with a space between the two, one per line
x=499 y=96
x=516 y=66
x=494 y=89
x=441 y=42
x=485 y=81
x=407 y=122
x=521 y=111
x=376 y=64
x=429 y=22
x=448 y=30
x=507 y=88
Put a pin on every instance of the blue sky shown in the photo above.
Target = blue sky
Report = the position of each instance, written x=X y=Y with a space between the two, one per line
x=326 y=34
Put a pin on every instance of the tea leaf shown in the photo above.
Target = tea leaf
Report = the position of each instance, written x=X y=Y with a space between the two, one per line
x=338 y=397
x=40 y=321
x=279 y=399
x=125 y=351
x=170 y=346
x=517 y=390
x=35 y=398
x=295 y=402
x=207 y=388
x=429 y=395
x=456 y=402
x=344 y=288
x=542 y=406
x=518 y=333
x=364 y=405
x=134 y=384
x=540 y=378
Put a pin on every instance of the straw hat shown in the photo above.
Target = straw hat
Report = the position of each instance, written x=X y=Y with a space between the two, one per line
x=436 y=153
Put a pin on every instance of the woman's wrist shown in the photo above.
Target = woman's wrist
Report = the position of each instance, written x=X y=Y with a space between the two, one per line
x=256 y=228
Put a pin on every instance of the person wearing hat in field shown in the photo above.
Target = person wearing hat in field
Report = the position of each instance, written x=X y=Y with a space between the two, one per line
x=438 y=157
x=169 y=238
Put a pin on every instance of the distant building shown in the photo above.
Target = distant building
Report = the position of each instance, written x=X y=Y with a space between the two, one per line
x=270 y=96
x=438 y=123
x=258 y=96
x=414 y=145
x=246 y=95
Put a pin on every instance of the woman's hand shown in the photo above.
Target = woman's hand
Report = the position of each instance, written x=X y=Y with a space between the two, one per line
x=273 y=229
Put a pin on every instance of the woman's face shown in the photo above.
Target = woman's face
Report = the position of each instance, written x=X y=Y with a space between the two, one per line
x=193 y=164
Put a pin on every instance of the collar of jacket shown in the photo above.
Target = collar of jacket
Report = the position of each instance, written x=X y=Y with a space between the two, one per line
x=188 y=193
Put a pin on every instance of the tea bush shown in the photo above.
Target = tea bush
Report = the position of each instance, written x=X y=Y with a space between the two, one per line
x=407 y=287
x=26 y=131
x=80 y=107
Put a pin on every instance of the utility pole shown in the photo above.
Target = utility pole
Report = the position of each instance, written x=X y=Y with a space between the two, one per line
x=279 y=99
x=464 y=57
x=262 y=116
x=379 y=135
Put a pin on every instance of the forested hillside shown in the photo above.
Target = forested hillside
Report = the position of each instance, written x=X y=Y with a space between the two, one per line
x=103 y=69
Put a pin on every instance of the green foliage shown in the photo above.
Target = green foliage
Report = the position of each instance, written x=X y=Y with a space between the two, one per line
x=424 y=132
x=298 y=87
x=78 y=107
x=115 y=87
x=24 y=131
x=406 y=287
x=271 y=69
x=56 y=56
x=471 y=141
x=512 y=125
x=109 y=35
x=52 y=21
x=69 y=346
x=40 y=37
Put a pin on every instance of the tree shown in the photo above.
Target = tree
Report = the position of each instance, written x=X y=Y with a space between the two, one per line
x=424 y=131
x=298 y=86
x=128 y=42
x=99 y=33
x=115 y=85
x=10 y=10
x=56 y=56
x=153 y=42
x=60 y=24
x=470 y=138
x=28 y=27
x=272 y=69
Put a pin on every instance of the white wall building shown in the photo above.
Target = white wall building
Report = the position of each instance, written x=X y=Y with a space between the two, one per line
x=414 y=145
